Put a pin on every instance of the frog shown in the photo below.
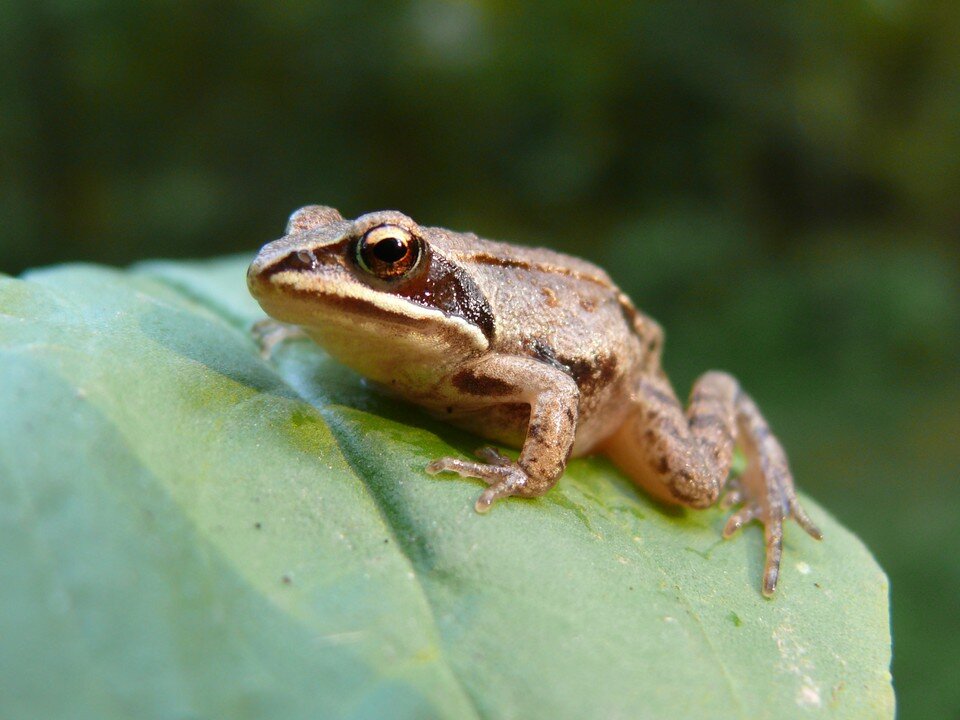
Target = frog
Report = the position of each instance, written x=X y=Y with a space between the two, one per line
x=528 y=348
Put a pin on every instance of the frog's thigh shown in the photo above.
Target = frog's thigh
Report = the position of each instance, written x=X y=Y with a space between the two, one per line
x=679 y=457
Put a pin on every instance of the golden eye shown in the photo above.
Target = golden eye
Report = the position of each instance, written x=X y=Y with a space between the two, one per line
x=389 y=252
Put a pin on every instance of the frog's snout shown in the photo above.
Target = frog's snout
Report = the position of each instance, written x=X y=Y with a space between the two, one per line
x=255 y=276
x=268 y=262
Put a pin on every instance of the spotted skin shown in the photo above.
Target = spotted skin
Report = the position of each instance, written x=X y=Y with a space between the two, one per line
x=685 y=457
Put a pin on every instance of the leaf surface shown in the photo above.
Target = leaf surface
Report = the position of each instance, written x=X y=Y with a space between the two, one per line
x=187 y=530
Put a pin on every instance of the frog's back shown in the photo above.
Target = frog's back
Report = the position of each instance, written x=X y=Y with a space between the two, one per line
x=469 y=250
x=542 y=297
x=561 y=310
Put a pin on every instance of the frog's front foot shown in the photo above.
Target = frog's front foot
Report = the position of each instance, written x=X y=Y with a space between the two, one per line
x=504 y=476
x=268 y=333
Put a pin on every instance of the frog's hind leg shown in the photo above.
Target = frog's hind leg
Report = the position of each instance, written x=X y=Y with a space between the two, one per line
x=685 y=457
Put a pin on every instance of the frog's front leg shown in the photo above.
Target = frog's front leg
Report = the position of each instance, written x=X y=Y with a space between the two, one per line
x=553 y=398
x=268 y=333
x=685 y=457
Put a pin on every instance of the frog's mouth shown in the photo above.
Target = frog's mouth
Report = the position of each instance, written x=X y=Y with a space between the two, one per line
x=289 y=280
x=323 y=303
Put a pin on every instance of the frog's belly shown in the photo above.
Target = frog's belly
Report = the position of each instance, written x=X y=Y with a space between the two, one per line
x=505 y=424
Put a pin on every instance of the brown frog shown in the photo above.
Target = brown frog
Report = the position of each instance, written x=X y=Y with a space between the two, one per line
x=527 y=347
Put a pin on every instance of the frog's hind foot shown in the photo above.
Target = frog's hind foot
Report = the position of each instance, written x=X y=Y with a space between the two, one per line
x=765 y=492
x=733 y=495
x=772 y=519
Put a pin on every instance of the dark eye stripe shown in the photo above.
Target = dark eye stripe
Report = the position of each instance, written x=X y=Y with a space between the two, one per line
x=298 y=261
x=444 y=286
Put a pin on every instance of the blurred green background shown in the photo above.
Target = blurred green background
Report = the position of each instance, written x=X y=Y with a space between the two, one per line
x=778 y=183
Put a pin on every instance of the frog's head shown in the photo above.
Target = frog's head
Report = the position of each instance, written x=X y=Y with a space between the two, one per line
x=379 y=286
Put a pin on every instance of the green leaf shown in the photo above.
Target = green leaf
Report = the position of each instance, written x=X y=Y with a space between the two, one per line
x=189 y=531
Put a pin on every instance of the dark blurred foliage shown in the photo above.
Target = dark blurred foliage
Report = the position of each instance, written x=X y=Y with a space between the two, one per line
x=778 y=183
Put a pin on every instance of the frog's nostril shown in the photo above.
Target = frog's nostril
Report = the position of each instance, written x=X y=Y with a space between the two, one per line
x=298 y=261
x=305 y=259
x=295 y=261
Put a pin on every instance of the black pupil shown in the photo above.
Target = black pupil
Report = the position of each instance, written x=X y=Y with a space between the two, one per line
x=390 y=249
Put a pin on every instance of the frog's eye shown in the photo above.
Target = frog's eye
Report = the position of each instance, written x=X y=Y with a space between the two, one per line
x=389 y=252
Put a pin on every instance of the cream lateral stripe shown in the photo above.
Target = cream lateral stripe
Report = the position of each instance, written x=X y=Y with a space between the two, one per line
x=385 y=301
